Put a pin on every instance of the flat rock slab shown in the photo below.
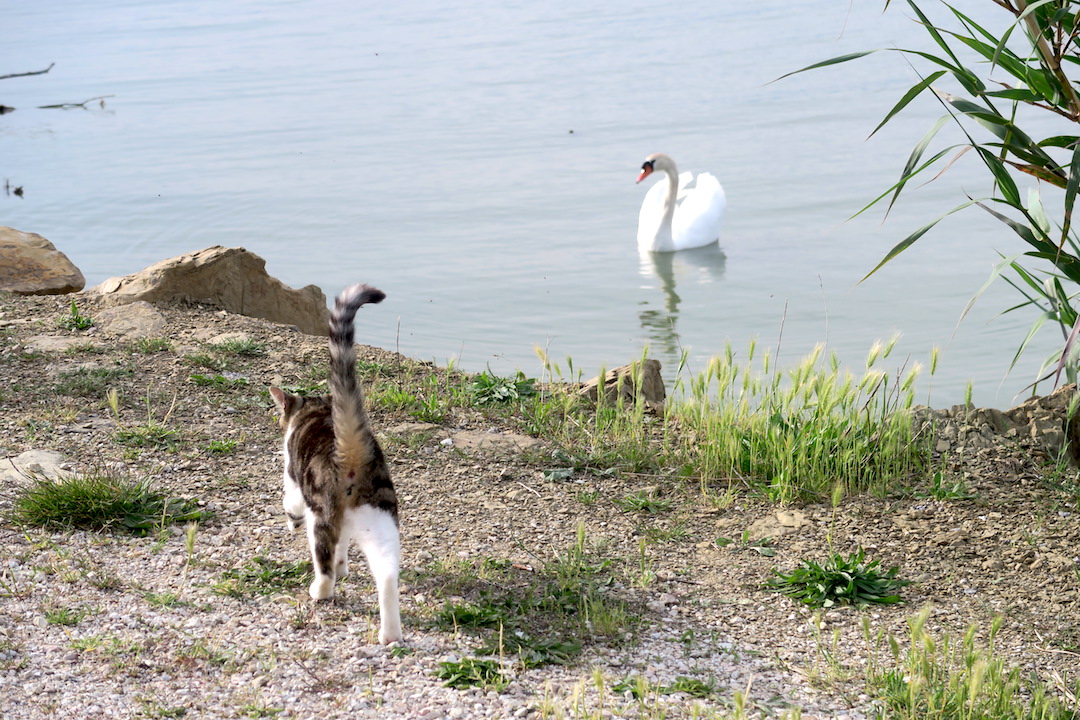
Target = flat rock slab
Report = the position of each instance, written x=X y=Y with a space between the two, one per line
x=138 y=320
x=54 y=343
x=33 y=464
x=475 y=440
x=31 y=265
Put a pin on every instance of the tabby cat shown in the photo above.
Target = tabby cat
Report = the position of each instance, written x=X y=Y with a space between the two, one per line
x=336 y=479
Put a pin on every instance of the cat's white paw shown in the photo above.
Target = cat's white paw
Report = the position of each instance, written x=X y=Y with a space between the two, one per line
x=387 y=636
x=321 y=587
x=342 y=570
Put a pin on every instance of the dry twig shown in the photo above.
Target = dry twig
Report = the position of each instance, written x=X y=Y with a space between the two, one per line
x=35 y=72
x=66 y=106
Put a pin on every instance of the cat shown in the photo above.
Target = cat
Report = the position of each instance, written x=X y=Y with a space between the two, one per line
x=337 y=480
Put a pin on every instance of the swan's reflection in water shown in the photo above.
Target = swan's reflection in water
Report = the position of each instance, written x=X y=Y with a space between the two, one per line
x=659 y=319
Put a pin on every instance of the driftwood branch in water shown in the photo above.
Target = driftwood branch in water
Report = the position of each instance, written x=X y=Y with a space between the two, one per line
x=75 y=105
x=36 y=72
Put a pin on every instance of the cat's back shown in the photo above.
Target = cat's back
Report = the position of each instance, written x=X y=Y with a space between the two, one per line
x=309 y=440
x=314 y=460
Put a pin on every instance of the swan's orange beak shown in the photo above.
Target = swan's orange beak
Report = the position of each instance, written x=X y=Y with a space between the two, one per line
x=646 y=171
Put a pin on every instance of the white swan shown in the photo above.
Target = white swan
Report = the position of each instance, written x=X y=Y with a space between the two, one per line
x=679 y=217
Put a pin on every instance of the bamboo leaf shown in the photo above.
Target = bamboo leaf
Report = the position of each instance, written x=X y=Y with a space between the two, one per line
x=1070 y=192
x=825 y=63
x=908 y=97
x=1067 y=350
x=1040 y=173
x=1059 y=141
x=1036 y=326
x=910 y=239
x=1001 y=175
x=1015 y=94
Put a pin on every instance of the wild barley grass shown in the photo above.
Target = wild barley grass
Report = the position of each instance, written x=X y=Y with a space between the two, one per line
x=939 y=679
x=795 y=434
x=100 y=502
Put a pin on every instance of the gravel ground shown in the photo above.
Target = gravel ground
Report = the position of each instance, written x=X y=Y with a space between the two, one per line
x=99 y=625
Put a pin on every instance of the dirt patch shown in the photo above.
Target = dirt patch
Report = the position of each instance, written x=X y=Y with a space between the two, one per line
x=996 y=535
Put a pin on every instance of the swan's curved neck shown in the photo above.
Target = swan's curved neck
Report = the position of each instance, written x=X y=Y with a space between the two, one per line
x=665 y=238
x=672 y=194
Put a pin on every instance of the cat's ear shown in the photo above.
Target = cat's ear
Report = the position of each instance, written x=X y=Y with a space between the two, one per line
x=280 y=398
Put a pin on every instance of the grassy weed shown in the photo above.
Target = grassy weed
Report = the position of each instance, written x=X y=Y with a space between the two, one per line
x=489 y=389
x=149 y=345
x=88 y=382
x=100 y=501
x=209 y=362
x=643 y=502
x=68 y=616
x=220 y=381
x=74 y=320
x=242 y=347
x=262 y=576
x=536 y=617
x=220 y=447
x=471 y=672
x=840 y=581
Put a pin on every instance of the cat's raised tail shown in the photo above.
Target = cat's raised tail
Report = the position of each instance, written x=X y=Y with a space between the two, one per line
x=352 y=447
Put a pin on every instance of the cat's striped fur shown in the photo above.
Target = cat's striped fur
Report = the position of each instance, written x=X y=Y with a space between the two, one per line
x=336 y=478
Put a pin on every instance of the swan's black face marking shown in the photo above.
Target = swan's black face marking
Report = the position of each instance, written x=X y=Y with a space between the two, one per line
x=646 y=170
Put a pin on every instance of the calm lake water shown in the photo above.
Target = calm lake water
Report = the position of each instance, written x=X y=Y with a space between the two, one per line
x=477 y=162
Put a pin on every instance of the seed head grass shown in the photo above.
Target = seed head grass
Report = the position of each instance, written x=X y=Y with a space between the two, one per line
x=787 y=434
x=940 y=678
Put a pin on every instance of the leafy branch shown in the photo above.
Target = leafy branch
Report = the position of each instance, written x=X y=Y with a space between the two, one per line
x=1034 y=49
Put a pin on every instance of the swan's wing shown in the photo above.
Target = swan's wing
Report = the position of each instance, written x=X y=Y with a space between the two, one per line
x=700 y=213
x=652 y=210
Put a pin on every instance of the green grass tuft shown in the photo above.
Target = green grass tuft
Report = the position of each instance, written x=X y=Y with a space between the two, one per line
x=100 y=502
x=88 y=382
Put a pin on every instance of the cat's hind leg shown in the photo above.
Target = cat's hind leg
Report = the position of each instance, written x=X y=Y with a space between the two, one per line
x=377 y=535
x=323 y=541
x=293 y=502
x=341 y=556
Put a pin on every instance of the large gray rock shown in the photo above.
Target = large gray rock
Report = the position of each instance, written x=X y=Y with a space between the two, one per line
x=31 y=265
x=230 y=278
